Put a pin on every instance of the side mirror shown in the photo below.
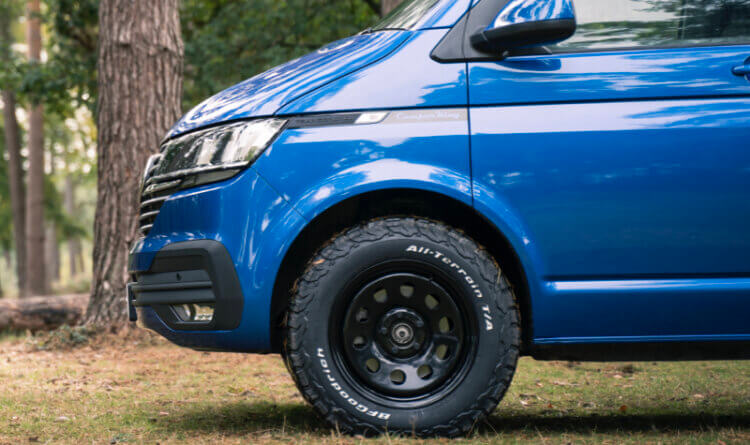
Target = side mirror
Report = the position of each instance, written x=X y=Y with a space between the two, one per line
x=525 y=23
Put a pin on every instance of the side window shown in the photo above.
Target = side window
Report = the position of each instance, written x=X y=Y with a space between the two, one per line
x=606 y=24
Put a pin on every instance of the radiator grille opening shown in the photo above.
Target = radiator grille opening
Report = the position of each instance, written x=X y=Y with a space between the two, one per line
x=153 y=195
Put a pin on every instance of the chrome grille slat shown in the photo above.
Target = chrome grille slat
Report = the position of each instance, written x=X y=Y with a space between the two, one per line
x=153 y=195
x=153 y=201
x=148 y=215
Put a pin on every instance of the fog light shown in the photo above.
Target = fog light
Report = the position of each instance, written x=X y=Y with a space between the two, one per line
x=196 y=313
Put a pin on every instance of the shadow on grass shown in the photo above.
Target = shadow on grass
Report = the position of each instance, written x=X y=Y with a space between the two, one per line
x=293 y=418
x=250 y=417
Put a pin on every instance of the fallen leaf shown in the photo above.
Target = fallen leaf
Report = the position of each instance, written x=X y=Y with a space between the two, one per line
x=698 y=396
x=623 y=408
x=62 y=419
x=163 y=413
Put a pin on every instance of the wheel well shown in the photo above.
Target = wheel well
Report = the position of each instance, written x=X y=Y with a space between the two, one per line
x=391 y=203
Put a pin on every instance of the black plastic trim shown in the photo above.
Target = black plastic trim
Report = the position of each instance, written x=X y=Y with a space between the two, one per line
x=199 y=271
x=518 y=35
x=456 y=46
x=646 y=351
x=322 y=120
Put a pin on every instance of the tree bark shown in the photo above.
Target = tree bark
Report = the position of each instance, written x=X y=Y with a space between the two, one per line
x=42 y=313
x=387 y=6
x=74 y=244
x=140 y=84
x=17 y=193
x=15 y=163
x=35 y=269
x=52 y=255
x=51 y=247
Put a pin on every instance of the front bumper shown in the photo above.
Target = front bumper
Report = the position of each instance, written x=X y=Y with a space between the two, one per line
x=219 y=244
x=190 y=272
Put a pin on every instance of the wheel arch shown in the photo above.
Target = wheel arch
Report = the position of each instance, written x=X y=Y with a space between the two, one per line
x=393 y=202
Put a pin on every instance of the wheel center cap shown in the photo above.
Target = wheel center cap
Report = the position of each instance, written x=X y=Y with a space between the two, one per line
x=402 y=333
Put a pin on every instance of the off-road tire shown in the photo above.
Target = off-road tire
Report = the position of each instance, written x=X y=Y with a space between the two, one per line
x=327 y=384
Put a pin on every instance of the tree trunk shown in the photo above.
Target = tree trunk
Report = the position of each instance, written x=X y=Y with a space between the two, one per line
x=74 y=244
x=51 y=249
x=15 y=178
x=140 y=84
x=35 y=193
x=387 y=6
x=52 y=255
x=42 y=313
x=13 y=147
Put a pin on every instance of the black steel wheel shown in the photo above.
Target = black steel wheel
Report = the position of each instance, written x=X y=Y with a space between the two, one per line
x=402 y=325
x=403 y=335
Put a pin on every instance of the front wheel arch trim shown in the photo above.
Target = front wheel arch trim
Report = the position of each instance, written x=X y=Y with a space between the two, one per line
x=351 y=210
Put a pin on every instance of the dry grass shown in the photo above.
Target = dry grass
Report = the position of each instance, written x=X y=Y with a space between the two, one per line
x=145 y=391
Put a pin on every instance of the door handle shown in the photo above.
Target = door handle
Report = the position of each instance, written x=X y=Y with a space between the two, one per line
x=743 y=70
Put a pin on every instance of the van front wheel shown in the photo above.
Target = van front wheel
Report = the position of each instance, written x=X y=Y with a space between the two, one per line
x=402 y=325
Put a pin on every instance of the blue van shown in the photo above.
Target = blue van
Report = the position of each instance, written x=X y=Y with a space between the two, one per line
x=403 y=213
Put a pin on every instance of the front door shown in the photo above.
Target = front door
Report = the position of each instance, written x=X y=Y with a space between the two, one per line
x=625 y=152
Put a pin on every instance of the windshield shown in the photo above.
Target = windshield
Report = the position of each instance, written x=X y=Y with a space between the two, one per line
x=406 y=15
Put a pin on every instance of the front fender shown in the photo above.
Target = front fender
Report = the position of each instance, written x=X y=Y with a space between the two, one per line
x=381 y=175
x=314 y=168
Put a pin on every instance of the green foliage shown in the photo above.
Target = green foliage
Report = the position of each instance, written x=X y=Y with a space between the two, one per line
x=10 y=77
x=68 y=79
x=227 y=41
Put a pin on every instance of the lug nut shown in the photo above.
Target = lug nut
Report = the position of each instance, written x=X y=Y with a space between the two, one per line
x=383 y=330
x=394 y=349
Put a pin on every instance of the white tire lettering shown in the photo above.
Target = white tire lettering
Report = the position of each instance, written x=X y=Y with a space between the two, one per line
x=345 y=395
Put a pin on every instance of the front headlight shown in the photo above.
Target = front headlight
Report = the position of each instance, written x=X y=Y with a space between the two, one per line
x=228 y=147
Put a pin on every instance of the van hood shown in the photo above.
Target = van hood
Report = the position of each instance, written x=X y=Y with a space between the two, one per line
x=266 y=93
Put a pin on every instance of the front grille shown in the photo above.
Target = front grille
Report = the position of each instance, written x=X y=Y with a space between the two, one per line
x=155 y=191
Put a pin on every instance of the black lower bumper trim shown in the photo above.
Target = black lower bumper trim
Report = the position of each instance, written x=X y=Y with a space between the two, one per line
x=190 y=272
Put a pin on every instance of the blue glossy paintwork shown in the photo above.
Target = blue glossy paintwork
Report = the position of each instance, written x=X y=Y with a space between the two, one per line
x=609 y=76
x=344 y=161
x=253 y=222
x=655 y=310
x=525 y=11
x=406 y=78
x=264 y=94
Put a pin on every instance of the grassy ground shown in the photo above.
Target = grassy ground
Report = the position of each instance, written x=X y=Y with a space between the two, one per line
x=149 y=392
